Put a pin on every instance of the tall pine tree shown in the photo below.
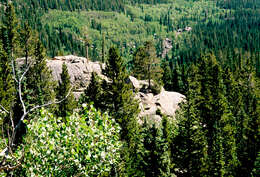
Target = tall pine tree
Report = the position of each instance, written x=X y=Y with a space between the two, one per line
x=39 y=84
x=64 y=88
x=146 y=65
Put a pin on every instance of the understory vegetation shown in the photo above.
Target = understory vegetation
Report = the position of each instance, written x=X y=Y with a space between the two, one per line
x=213 y=59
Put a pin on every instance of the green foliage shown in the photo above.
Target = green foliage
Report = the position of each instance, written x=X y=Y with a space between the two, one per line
x=26 y=41
x=64 y=90
x=123 y=106
x=8 y=33
x=167 y=75
x=156 y=158
x=39 y=85
x=86 y=144
x=146 y=65
x=247 y=118
x=139 y=62
x=188 y=146
x=256 y=169
x=94 y=93
x=7 y=87
x=215 y=114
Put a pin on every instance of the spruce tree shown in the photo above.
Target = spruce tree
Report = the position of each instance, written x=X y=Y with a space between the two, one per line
x=119 y=93
x=167 y=75
x=217 y=118
x=248 y=118
x=156 y=157
x=8 y=45
x=7 y=87
x=8 y=33
x=26 y=41
x=139 y=62
x=188 y=146
x=146 y=65
x=176 y=78
x=94 y=93
x=65 y=107
x=123 y=107
x=39 y=85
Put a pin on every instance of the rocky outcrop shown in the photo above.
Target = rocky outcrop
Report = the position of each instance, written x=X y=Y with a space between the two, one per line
x=79 y=68
x=167 y=46
x=151 y=104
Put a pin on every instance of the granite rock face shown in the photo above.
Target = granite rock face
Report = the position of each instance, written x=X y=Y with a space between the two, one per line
x=79 y=68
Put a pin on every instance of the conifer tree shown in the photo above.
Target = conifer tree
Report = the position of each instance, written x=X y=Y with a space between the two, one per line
x=217 y=118
x=8 y=33
x=139 y=62
x=7 y=87
x=66 y=107
x=103 y=48
x=26 y=41
x=123 y=107
x=39 y=85
x=94 y=93
x=146 y=65
x=153 y=63
x=176 y=78
x=8 y=36
x=167 y=75
x=8 y=44
x=119 y=93
x=248 y=118
x=156 y=159
x=162 y=150
x=188 y=147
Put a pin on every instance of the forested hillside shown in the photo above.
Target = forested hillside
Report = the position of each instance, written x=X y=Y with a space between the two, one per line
x=207 y=50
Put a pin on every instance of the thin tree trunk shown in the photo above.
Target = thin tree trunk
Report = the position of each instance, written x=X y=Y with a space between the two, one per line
x=87 y=51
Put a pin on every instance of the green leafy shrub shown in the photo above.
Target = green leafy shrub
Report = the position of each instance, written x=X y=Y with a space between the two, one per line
x=86 y=144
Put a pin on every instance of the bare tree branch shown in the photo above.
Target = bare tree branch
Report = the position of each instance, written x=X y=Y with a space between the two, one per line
x=5 y=110
x=20 y=86
x=40 y=106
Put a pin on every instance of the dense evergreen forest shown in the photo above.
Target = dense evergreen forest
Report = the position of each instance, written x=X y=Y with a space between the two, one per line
x=214 y=60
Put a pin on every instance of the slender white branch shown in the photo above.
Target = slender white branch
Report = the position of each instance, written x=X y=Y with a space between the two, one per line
x=20 y=86
x=20 y=96
x=5 y=110
x=25 y=71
